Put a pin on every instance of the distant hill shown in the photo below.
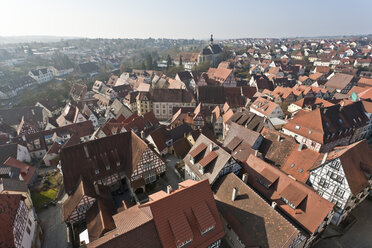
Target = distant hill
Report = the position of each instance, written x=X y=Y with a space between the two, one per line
x=34 y=38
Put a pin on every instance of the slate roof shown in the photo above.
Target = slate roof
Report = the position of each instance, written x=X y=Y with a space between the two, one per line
x=84 y=159
x=13 y=116
x=8 y=150
x=221 y=95
x=9 y=184
x=171 y=95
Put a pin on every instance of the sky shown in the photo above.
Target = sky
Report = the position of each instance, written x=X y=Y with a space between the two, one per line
x=185 y=19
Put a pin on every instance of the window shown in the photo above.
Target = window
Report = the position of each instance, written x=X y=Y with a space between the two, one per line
x=323 y=183
x=184 y=243
x=339 y=192
x=107 y=167
x=263 y=183
x=96 y=171
x=29 y=222
x=335 y=164
x=28 y=230
x=335 y=177
x=288 y=203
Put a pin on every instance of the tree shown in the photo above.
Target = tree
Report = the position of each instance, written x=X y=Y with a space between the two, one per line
x=202 y=67
x=122 y=68
x=169 y=61
x=29 y=51
x=149 y=62
x=173 y=70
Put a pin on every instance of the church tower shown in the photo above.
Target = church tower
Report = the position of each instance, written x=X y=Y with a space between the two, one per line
x=211 y=40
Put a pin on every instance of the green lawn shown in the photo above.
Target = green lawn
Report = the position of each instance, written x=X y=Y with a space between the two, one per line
x=45 y=196
x=40 y=198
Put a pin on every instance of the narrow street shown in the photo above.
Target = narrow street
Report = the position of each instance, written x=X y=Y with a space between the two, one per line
x=359 y=235
x=54 y=230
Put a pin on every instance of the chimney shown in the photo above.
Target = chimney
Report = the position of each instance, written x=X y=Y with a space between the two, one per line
x=278 y=137
x=234 y=193
x=273 y=205
x=191 y=160
x=245 y=178
x=210 y=147
x=24 y=137
x=169 y=189
x=324 y=157
x=124 y=205
x=256 y=153
x=96 y=189
x=143 y=134
x=300 y=146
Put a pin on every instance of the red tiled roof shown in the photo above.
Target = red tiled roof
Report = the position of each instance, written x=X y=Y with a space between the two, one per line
x=27 y=171
x=177 y=220
x=197 y=150
x=309 y=214
x=9 y=205
x=208 y=159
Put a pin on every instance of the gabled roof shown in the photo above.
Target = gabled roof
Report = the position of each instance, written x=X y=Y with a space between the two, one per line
x=8 y=150
x=13 y=116
x=319 y=124
x=356 y=160
x=308 y=208
x=184 y=214
x=299 y=163
x=9 y=184
x=27 y=171
x=84 y=159
x=276 y=146
x=9 y=205
x=339 y=81
x=255 y=222
x=264 y=106
x=209 y=155
x=236 y=130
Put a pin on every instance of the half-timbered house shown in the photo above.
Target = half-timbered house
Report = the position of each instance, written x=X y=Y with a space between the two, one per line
x=207 y=160
x=343 y=176
x=19 y=226
x=111 y=160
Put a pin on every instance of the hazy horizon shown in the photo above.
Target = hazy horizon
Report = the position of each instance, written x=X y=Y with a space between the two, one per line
x=193 y=19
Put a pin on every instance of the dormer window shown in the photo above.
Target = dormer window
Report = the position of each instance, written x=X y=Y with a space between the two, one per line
x=297 y=127
x=96 y=171
x=107 y=167
x=184 y=243
x=288 y=203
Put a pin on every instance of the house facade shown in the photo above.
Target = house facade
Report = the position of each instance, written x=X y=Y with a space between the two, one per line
x=41 y=75
x=344 y=177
